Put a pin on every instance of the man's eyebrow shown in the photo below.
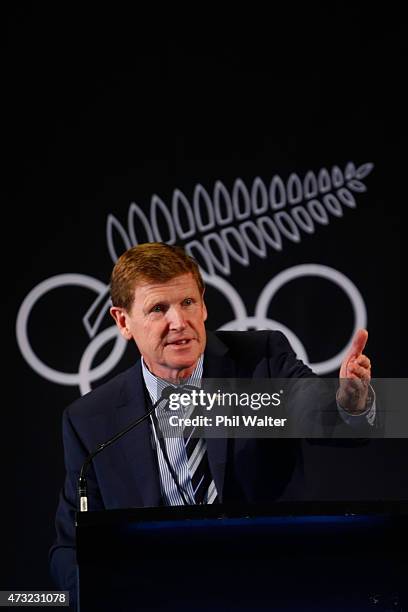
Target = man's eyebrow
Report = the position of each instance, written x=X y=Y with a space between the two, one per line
x=149 y=303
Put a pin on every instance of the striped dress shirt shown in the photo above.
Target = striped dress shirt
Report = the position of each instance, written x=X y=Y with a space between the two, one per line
x=175 y=446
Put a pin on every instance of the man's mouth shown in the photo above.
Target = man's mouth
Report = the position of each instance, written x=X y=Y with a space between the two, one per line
x=182 y=342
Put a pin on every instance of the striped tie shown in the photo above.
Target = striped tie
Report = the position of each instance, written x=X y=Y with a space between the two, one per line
x=199 y=468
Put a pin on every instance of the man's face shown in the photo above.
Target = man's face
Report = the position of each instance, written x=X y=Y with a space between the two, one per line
x=167 y=323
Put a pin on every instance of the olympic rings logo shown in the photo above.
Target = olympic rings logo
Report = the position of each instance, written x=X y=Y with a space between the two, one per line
x=87 y=374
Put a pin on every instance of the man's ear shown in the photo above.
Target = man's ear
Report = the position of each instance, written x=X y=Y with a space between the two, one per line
x=205 y=314
x=120 y=317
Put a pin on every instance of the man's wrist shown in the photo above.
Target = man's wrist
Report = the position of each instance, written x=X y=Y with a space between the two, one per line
x=368 y=414
x=367 y=407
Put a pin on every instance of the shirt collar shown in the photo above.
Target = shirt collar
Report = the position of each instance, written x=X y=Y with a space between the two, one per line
x=155 y=385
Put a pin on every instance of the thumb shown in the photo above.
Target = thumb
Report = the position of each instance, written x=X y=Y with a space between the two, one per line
x=357 y=346
x=358 y=343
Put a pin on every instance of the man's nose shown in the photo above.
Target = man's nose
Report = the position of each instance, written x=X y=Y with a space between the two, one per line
x=176 y=318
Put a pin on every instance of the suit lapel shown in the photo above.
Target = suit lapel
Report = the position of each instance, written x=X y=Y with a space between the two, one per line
x=135 y=452
x=217 y=364
x=136 y=445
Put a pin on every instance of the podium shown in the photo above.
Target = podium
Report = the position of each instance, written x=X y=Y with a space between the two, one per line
x=287 y=556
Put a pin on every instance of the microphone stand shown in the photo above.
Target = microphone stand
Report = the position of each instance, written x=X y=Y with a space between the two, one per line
x=82 y=484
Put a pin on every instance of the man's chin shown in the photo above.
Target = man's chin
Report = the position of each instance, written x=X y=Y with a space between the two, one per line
x=184 y=366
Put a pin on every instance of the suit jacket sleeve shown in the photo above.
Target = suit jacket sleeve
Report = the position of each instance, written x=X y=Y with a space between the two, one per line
x=311 y=400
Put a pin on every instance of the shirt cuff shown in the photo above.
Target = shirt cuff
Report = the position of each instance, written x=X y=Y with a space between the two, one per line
x=359 y=419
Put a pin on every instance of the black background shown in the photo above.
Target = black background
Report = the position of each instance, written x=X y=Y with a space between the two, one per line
x=104 y=108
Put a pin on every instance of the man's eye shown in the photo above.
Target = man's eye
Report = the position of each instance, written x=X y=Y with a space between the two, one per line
x=188 y=301
x=157 y=308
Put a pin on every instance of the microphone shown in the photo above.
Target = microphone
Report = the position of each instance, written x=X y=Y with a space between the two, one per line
x=82 y=484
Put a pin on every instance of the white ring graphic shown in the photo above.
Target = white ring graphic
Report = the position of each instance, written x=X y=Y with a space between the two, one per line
x=357 y=302
x=86 y=374
x=56 y=376
x=230 y=293
x=242 y=321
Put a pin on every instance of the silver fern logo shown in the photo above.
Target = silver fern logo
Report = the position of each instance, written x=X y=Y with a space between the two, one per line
x=216 y=228
x=244 y=222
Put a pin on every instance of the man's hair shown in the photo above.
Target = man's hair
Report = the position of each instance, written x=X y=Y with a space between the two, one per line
x=149 y=262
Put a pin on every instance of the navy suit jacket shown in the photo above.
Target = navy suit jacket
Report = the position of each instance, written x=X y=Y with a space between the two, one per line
x=126 y=474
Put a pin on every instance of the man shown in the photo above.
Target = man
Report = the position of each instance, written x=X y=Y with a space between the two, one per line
x=158 y=301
